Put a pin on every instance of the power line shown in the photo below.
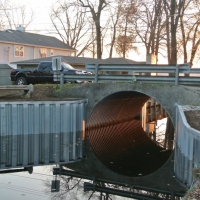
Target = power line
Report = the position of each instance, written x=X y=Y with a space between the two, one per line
x=39 y=174
x=23 y=189
x=32 y=191
x=132 y=27
x=26 y=177
x=19 y=187
x=43 y=174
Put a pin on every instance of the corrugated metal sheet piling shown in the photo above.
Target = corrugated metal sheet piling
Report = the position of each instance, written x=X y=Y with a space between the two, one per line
x=41 y=133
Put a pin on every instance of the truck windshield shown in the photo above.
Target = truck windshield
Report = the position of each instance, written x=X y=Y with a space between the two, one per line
x=66 y=66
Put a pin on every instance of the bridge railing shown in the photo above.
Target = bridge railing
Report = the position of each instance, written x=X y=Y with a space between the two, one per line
x=187 y=147
x=175 y=74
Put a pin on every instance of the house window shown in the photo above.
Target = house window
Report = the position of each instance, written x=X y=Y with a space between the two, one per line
x=19 y=51
x=51 y=52
x=43 y=52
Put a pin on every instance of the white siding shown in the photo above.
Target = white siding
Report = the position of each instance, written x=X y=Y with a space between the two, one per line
x=30 y=52
x=5 y=52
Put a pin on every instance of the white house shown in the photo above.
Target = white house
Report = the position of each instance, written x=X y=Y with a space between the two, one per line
x=18 y=45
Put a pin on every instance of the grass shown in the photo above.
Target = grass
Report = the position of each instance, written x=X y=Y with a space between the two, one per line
x=193 y=193
x=55 y=87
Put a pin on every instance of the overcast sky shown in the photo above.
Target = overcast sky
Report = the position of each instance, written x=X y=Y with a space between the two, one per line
x=42 y=25
x=41 y=9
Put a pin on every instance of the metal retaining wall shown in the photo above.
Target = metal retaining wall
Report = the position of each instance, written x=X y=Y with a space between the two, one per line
x=41 y=133
x=187 y=147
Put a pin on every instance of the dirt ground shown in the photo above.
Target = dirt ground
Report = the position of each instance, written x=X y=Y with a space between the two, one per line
x=193 y=118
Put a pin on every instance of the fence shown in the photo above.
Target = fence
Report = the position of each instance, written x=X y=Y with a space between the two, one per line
x=175 y=74
x=187 y=147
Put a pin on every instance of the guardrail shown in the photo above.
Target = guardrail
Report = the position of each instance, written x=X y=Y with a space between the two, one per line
x=187 y=147
x=175 y=74
x=27 y=89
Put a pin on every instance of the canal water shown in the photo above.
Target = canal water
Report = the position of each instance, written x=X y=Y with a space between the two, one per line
x=25 y=186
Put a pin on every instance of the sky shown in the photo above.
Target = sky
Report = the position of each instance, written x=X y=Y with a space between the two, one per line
x=42 y=25
x=41 y=9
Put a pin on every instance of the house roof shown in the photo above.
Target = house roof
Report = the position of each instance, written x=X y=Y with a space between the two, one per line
x=122 y=61
x=26 y=38
x=81 y=60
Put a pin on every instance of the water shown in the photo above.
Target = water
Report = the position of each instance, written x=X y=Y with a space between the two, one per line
x=22 y=185
x=25 y=186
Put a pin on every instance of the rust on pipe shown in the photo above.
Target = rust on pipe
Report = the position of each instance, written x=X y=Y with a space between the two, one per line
x=117 y=138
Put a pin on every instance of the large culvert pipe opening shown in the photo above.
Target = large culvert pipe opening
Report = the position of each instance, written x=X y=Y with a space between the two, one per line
x=120 y=133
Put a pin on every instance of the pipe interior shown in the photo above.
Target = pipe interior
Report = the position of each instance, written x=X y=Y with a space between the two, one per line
x=115 y=133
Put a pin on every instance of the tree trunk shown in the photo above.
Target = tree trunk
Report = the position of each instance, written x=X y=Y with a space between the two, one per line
x=169 y=135
x=184 y=41
x=173 y=34
x=124 y=42
x=167 y=32
x=194 y=49
x=98 y=32
x=96 y=16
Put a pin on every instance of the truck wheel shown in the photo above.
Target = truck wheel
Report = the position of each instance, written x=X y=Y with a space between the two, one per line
x=21 y=81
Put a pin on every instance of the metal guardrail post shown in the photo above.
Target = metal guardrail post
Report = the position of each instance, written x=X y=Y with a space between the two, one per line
x=172 y=196
x=27 y=89
x=61 y=79
x=177 y=75
x=96 y=73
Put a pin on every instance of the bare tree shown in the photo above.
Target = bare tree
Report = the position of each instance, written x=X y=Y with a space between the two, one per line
x=190 y=28
x=72 y=26
x=115 y=12
x=173 y=10
x=122 y=35
x=149 y=25
x=72 y=188
x=182 y=29
x=195 y=41
x=95 y=8
x=14 y=15
x=126 y=34
x=172 y=26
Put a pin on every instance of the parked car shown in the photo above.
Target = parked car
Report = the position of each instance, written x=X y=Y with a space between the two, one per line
x=43 y=73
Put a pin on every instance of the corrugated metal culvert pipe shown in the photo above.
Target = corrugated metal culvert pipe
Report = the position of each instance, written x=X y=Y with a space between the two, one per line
x=117 y=138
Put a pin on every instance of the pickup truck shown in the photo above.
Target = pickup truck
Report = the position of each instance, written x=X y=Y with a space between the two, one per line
x=43 y=74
